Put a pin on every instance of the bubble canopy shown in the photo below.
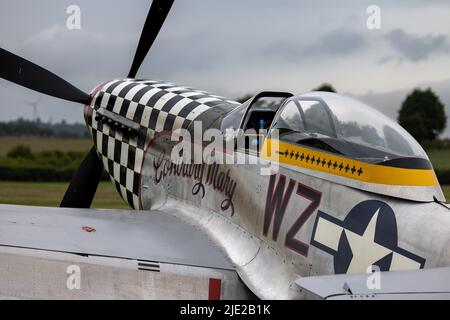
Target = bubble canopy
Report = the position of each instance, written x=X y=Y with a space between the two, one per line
x=345 y=126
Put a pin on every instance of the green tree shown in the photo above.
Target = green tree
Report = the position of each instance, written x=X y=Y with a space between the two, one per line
x=422 y=114
x=325 y=87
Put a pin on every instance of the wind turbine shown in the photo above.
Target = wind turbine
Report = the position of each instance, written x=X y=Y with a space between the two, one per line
x=34 y=104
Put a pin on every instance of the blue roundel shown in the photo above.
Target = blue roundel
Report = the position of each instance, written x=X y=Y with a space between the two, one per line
x=368 y=236
x=357 y=221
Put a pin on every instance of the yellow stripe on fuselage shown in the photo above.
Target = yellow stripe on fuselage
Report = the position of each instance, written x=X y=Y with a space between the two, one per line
x=307 y=158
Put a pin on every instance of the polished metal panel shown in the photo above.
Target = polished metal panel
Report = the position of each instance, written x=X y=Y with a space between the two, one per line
x=268 y=267
x=40 y=274
x=427 y=284
x=116 y=233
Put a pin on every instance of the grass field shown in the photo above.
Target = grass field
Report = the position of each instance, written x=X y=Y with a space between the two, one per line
x=45 y=144
x=446 y=190
x=50 y=194
x=440 y=158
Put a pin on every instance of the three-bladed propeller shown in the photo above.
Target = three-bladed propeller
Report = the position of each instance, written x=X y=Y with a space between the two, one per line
x=84 y=183
x=82 y=188
x=31 y=76
x=155 y=19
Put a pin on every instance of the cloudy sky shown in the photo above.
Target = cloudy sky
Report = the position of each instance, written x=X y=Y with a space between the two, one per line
x=234 y=47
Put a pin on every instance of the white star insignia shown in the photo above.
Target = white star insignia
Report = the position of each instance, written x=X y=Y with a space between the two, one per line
x=364 y=248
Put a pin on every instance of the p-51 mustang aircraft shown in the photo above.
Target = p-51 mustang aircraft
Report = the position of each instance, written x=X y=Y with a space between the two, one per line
x=348 y=192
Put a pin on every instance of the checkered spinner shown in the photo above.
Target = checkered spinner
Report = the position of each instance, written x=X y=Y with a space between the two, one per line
x=156 y=106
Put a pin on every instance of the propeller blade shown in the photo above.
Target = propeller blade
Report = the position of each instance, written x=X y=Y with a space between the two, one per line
x=81 y=190
x=155 y=19
x=30 y=75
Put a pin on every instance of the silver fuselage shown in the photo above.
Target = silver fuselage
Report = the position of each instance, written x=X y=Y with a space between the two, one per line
x=274 y=228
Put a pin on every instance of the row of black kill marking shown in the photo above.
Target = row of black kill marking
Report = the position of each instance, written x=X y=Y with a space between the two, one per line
x=321 y=161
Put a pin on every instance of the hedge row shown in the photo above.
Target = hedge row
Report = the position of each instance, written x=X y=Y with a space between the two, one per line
x=443 y=176
x=43 y=174
x=35 y=174
x=40 y=174
x=436 y=144
x=21 y=164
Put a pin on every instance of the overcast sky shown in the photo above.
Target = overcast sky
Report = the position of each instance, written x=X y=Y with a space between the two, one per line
x=233 y=47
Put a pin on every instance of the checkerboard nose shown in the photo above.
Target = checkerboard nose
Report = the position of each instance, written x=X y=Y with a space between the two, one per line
x=124 y=115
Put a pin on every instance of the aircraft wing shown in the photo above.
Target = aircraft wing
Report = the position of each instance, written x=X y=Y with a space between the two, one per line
x=390 y=285
x=37 y=244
